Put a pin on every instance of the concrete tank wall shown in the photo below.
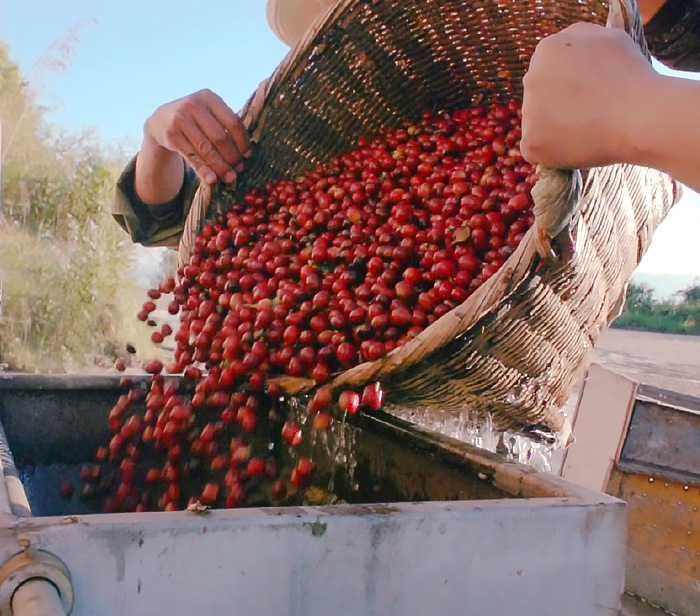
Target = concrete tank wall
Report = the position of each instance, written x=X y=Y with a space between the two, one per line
x=530 y=556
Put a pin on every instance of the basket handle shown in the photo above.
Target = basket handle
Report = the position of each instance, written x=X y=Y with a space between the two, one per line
x=557 y=193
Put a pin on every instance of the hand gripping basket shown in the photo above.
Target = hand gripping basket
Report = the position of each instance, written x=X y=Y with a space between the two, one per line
x=517 y=347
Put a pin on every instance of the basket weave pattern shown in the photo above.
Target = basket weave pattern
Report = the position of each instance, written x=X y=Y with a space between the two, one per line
x=517 y=347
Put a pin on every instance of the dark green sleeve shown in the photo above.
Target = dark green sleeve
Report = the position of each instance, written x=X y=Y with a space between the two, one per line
x=674 y=35
x=152 y=225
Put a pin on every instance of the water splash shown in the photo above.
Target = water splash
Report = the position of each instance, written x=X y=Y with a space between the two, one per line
x=333 y=448
x=480 y=432
x=337 y=444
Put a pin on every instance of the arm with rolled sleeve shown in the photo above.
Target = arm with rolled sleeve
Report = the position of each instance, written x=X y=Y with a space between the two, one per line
x=152 y=225
x=194 y=139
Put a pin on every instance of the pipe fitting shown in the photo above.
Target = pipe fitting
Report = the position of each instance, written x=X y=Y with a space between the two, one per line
x=31 y=565
x=37 y=597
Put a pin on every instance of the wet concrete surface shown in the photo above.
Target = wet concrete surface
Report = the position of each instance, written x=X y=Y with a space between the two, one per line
x=667 y=361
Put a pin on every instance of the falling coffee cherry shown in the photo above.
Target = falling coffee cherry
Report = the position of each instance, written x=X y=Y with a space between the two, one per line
x=67 y=489
x=349 y=401
x=373 y=396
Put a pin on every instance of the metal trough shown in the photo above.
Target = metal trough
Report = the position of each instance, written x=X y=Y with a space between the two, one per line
x=438 y=527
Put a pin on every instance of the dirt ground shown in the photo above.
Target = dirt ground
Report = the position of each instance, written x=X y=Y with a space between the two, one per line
x=667 y=361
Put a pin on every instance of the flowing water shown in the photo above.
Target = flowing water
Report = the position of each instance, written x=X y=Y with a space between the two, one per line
x=481 y=433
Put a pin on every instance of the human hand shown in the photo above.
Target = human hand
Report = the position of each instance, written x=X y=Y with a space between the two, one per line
x=203 y=129
x=584 y=96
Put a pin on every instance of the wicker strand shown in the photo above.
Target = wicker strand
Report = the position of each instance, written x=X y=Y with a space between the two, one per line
x=556 y=195
x=194 y=222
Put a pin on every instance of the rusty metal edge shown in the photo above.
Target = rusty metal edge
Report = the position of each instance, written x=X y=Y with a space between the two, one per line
x=670 y=399
x=659 y=472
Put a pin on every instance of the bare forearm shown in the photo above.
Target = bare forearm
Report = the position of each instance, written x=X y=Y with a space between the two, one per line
x=159 y=173
x=591 y=99
x=667 y=131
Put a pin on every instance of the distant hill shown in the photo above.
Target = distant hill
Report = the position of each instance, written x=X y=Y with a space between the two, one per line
x=666 y=285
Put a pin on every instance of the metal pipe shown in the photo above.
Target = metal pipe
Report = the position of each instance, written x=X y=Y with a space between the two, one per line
x=5 y=506
x=17 y=497
x=35 y=583
x=37 y=597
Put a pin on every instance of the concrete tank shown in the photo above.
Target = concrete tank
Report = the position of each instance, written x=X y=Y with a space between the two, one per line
x=454 y=530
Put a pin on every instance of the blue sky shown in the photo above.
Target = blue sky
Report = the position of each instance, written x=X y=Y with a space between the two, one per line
x=130 y=57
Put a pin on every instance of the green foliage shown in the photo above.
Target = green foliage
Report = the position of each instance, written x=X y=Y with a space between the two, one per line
x=640 y=298
x=63 y=260
x=645 y=313
x=691 y=294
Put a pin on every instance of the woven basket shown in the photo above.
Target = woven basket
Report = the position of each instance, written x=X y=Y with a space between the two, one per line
x=517 y=347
